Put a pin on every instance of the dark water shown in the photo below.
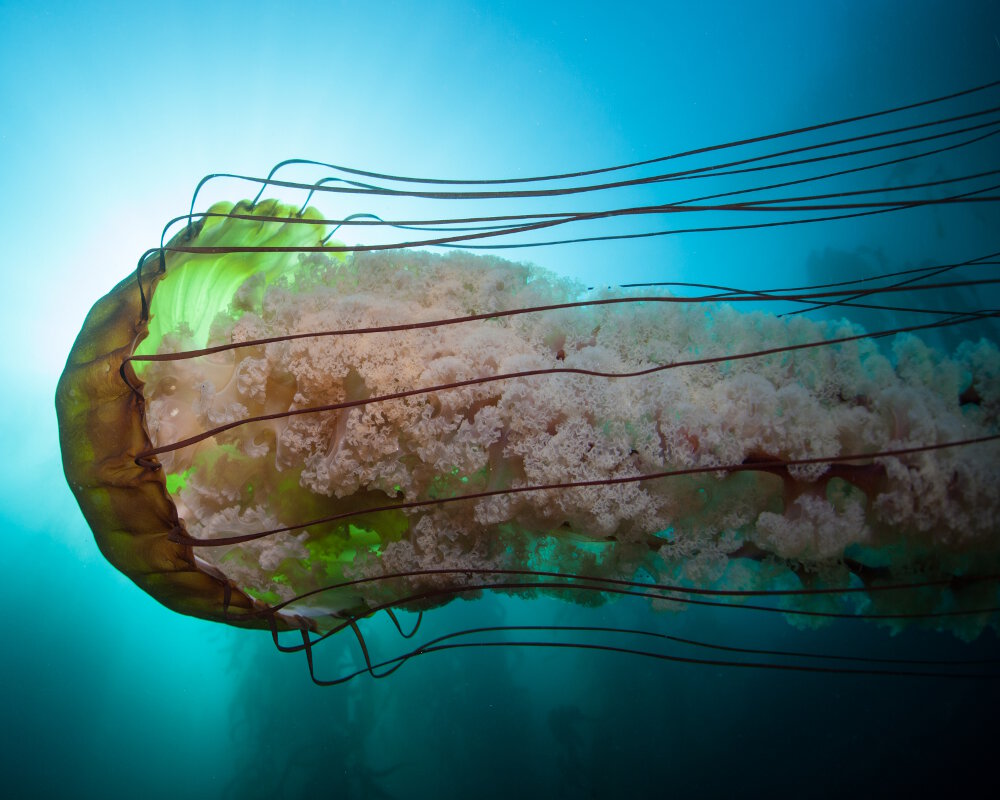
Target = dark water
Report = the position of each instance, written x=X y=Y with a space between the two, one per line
x=109 y=116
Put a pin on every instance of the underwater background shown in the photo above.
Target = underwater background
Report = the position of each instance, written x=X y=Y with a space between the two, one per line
x=110 y=114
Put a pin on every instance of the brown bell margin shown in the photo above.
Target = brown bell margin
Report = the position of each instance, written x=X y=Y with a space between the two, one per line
x=101 y=431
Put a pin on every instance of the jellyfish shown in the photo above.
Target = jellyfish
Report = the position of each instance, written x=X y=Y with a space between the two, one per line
x=268 y=427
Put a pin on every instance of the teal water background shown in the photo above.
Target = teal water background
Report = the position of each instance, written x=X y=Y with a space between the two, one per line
x=109 y=115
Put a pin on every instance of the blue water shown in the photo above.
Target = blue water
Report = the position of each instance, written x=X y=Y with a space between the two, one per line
x=109 y=115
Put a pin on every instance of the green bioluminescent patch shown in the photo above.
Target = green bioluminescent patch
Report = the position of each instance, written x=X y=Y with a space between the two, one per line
x=341 y=543
x=199 y=286
x=265 y=595
x=177 y=481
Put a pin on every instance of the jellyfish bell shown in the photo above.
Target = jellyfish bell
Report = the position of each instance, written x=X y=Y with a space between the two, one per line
x=272 y=429
x=102 y=428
